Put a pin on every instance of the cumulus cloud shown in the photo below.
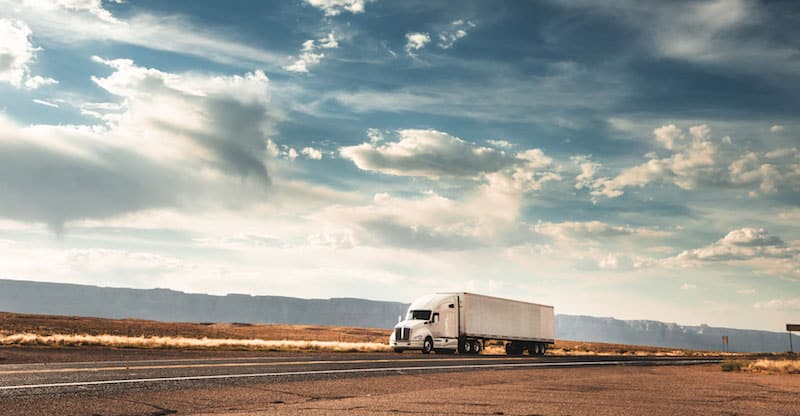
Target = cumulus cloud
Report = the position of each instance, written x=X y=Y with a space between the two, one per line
x=742 y=244
x=772 y=171
x=173 y=136
x=456 y=30
x=777 y=128
x=336 y=7
x=588 y=170
x=416 y=41
x=311 y=55
x=434 y=155
x=312 y=153
x=694 y=158
x=17 y=53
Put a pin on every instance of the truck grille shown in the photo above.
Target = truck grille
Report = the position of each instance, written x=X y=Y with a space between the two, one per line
x=401 y=334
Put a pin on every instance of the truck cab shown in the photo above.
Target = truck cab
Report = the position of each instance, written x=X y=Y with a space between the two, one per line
x=430 y=323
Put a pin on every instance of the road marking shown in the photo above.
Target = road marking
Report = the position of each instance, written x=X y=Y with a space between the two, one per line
x=134 y=365
x=243 y=364
x=350 y=371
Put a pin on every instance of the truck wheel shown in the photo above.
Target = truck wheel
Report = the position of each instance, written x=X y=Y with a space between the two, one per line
x=398 y=350
x=427 y=346
x=476 y=347
x=468 y=347
x=513 y=348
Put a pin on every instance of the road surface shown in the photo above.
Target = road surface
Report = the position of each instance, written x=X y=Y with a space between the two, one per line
x=279 y=383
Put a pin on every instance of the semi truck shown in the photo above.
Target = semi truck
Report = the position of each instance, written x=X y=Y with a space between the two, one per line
x=463 y=322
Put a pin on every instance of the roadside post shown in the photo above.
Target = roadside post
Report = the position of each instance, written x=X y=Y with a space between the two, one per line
x=725 y=343
x=790 y=328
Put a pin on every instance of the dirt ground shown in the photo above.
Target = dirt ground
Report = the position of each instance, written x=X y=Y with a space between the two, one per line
x=651 y=391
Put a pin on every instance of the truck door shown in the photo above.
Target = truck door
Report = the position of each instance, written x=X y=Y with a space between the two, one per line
x=448 y=314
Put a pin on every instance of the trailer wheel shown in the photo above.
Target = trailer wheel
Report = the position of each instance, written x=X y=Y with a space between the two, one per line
x=476 y=347
x=427 y=346
x=398 y=350
x=513 y=348
x=468 y=347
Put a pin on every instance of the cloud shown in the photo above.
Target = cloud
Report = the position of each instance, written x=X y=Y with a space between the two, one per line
x=45 y=103
x=312 y=153
x=741 y=245
x=416 y=41
x=688 y=286
x=310 y=54
x=780 y=304
x=693 y=160
x=777 y=128
x=593 y=230
x=456 y=31
x=17 y=53
x=70 y=23
x=174 y=140
x=716 y=33
x=336 y=7
x=427 y=153
x=434 y=155
x=588 y=169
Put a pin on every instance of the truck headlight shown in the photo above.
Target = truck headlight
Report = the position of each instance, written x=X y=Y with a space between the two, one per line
x=418 y=337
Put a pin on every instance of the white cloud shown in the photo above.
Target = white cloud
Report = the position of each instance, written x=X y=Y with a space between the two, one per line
x=456 y=30
x=688 y=286
x=765 y=254
x=780 y=304
x=690 y=163
x=593 y=230
x=17 y=53
x=434 y=155
x=45 y=103
x=335 y=7
x=175 y=140
x=777 y=128
x=416 y=41
x=72 y=22
x=739 y=245
x=714 y=32
x=312 y=153
x=310 y=54
x=588 y=169
x=749 y=291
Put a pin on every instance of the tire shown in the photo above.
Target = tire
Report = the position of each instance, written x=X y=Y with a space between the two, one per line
x=476 y=347
x=398 y=350
x=427 y=345
x=468 y=347
x=513 y=348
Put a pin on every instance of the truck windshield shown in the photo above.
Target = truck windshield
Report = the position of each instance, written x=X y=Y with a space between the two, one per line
x=424 y=315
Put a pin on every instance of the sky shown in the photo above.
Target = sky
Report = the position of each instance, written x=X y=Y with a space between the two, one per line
x=635 y=160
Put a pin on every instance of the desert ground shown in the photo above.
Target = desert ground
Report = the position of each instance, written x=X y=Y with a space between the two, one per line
x=576 y=378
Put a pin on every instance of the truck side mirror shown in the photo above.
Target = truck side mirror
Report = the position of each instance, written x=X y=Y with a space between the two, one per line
x=399 y=318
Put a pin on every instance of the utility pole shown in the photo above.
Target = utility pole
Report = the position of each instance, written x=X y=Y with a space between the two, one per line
x=725 y=343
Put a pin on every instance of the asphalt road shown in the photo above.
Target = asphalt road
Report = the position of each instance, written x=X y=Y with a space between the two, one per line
x=389 y=384
x=97 y=377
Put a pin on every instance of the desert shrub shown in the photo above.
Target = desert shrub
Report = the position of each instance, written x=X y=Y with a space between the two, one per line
x=733 y=365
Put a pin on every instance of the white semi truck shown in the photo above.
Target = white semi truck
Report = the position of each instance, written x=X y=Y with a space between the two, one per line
x=463 y=322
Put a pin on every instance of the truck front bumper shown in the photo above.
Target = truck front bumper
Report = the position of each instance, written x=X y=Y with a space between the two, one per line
x=407 y=344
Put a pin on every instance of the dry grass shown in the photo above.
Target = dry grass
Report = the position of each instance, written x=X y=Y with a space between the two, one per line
x=775 y=366
x=120 y=341
x=54 y=330
x=15 y=323
x=580 y=348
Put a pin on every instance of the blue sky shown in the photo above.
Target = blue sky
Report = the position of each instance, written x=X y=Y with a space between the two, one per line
x=629 y=160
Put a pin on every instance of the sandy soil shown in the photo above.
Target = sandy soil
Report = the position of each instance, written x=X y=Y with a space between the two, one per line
x=651 y=391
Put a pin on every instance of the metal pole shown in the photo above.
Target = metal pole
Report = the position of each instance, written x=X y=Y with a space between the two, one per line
x=791 y=348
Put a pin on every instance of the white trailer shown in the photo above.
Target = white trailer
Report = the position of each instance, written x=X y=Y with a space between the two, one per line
x=463 y=322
